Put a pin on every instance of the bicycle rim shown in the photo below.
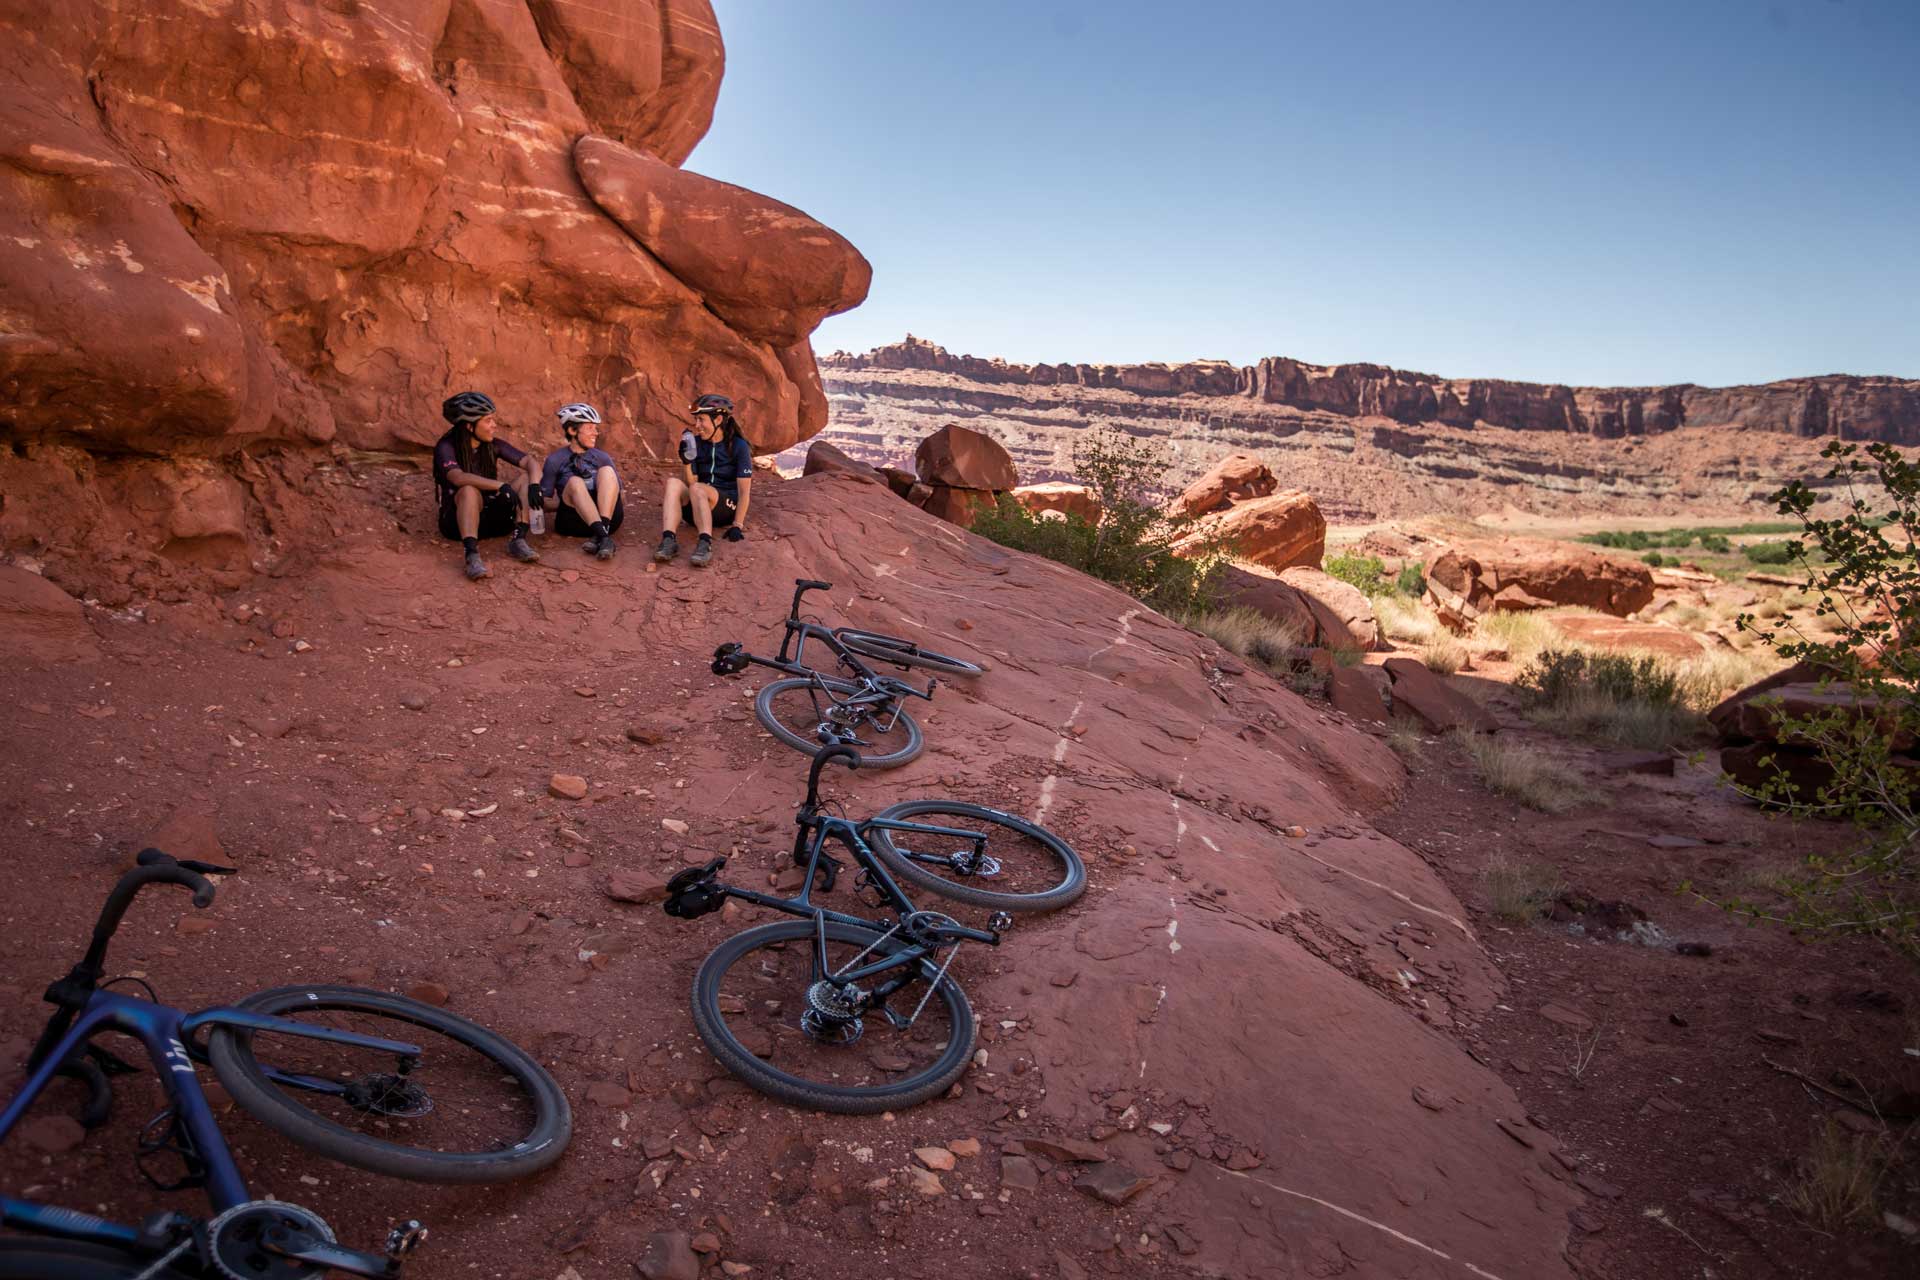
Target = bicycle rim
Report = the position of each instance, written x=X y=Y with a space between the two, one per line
x=812 y=719
x=1025 y=868
x=760 y=1009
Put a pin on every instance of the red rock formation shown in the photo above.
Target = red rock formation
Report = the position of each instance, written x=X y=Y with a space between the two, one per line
x=1517 y=574
x=1057 y=495
x=962 y=458
x=1234 y=478
x=822 y=456
x=345 y=212
x=1622 y=634
x=1341 y=610
x=1274 y=532
x=1860 y=408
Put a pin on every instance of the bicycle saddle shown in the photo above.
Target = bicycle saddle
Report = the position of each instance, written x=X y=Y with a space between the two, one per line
x=730 y=659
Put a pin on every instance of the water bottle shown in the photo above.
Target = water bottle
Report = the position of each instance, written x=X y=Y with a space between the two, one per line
x=537 y=519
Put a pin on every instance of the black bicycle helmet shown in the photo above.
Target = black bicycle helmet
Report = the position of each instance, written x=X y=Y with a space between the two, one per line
x=713 y=404
x=468 y=406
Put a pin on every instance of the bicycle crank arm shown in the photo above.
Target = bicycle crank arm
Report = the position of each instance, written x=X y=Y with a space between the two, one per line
x=303 y=1246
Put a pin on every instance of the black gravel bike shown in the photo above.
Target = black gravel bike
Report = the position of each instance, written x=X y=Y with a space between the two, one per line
x=369 y=1079
x=813 y=712
x=855 y=1014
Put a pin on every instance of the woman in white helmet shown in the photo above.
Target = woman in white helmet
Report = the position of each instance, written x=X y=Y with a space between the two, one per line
x=579 y=484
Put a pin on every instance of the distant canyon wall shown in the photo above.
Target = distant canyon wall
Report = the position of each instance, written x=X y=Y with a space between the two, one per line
x=1856 y=408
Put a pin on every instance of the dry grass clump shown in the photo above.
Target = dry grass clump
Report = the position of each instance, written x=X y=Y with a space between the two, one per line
x=1839 y=1179
x=1407 y=738
x=1412 y=622
x=1518 y=890
x=1637 y=700
x=1522 y=773
x=1521 y=634
x=1248 y=632
x=1444 y=655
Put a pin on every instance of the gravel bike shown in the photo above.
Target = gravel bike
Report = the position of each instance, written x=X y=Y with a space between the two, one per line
x=855 y=1014
x=812 y=711
x=366 y=1078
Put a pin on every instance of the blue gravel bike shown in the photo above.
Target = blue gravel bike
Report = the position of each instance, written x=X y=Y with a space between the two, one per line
x=367 y=1078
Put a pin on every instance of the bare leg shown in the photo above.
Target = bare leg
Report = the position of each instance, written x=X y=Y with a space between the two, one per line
x=518 y=483
x=606 y=487
x=703 y=499
x=580 y=500
x=466 y=510
x=676 y=491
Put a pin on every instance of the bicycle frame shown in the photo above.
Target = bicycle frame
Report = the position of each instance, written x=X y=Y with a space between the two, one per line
x=168 y=1035
x=850 y=834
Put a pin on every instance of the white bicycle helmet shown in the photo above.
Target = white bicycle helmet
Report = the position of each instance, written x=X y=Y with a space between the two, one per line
x=574 y=415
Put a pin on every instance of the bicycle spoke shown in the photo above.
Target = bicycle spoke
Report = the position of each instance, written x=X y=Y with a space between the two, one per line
x=1010 y=861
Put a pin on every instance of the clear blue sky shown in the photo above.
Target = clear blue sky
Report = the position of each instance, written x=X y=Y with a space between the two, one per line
x=1714 y=191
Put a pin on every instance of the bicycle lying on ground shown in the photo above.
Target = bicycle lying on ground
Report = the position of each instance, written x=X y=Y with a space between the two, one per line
x=812 y=1011
x=369 y=1079
x=812 y=712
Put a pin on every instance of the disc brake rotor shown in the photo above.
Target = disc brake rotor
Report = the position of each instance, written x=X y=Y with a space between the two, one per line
x=386 y=1094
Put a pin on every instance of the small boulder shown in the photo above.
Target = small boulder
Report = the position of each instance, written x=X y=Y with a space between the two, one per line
x=1274 y=532
x=1341 y=611
x=1435 y=705
x=822 y=456
x=959 y=457
x=1235 y=478
x=567 y=786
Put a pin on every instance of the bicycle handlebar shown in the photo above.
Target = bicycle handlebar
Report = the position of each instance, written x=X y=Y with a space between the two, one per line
x=846 y=754
x=800 y=587
x=154 y=867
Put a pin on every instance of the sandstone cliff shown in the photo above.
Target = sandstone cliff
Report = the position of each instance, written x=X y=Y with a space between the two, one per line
x=241 y=220
x=1858 y=408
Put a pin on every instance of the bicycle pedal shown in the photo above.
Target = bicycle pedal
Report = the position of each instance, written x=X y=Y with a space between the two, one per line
x=730 y=659
x=696 y=891
x=405 y=1238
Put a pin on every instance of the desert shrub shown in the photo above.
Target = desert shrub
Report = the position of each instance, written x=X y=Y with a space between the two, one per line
x=1407 y=738
x=1521 y=773
x=1521 y=634
x=1132 y=545
x=1411 y=582
x=1659 y=561
x=1369 y=573
x=1615 y=697
x=1862 y=569
x=1519 y=890
x=1715 y=542
x=1771 y=552
x=1247 y=632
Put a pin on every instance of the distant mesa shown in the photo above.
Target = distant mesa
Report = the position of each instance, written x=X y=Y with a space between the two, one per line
x=1856 y=407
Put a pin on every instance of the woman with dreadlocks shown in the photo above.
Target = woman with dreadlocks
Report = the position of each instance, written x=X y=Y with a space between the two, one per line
x=475 y=501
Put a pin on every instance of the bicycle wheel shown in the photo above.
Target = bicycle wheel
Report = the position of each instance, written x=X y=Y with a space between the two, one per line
x=1025 y=867
x=756 y=1005
x=906 y=653
x=474 y=1108
x=25 y=1259
x=802 y=715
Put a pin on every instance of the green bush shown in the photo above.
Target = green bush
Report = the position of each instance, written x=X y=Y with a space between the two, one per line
x=1868 y=590
x=1132 y=545
x=1411 y=581
x=1715 y=542
x=1772 y=552
x=1369 y=573
x=1557 y=677
x=1659 y=561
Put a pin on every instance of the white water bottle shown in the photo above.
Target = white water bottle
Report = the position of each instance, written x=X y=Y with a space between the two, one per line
x=537 y=520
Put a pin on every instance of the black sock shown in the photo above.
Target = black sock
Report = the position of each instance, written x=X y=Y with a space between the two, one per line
x=520 y=528
x=601 y=529
x=669 y=533
x=471 y=544
x=706 y=537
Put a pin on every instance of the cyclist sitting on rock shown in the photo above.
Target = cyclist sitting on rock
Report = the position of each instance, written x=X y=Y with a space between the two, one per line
x=714 y=484
x=578 y=483
x=475 y=501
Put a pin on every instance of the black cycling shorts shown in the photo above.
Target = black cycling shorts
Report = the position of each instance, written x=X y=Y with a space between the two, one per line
x=499 y=513
x=567 y=522
x=722 y=512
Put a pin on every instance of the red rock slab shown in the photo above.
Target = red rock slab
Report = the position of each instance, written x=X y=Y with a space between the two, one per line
x=1059 y=495
x=41 y=623
x=822 y=456
x=1274 y=532
x=1343 y=611
x=1624 y=634
x=1235 y=478
x=1439 y=708
x=1350 y=690
x=963 y=458
x=766 y=268
x=1272 y=598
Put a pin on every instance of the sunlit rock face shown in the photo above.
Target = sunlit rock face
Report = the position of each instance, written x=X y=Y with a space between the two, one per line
x=225 y=221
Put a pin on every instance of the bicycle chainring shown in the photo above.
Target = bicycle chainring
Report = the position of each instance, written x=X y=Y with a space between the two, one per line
x=832 y=1015
x=237 y=1241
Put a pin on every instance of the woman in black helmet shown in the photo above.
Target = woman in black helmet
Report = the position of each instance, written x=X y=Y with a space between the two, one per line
x=715 y=482
x=475 y=500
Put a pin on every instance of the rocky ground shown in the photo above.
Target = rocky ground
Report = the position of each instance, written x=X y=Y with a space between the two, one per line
x=1280 y=1018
